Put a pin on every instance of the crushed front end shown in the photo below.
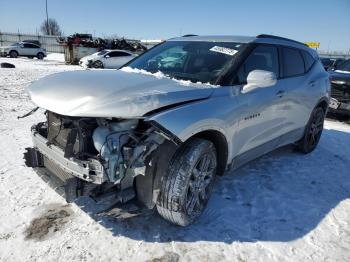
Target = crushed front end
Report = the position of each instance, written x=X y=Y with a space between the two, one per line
x=90 y=156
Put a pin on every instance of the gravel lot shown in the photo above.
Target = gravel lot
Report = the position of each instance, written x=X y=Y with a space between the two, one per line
x=282 y=207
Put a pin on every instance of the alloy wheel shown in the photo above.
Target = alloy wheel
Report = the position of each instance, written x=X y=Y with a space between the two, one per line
x=200 y=184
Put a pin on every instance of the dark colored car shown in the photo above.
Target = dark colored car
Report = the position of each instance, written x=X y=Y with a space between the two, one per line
x=340 y=92
x=331 y=63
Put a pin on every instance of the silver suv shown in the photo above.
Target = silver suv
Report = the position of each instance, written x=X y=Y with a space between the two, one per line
x=23 y=49
x=165 y=125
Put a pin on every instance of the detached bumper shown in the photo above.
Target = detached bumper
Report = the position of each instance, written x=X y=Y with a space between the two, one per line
x=90 y=170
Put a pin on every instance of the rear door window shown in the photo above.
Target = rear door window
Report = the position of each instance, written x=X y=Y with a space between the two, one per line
x=293 y=63
x=263 y=57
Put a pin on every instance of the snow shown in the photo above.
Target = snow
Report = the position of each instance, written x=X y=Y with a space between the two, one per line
x=284 y=206
x=161 y=75
x=55 y=57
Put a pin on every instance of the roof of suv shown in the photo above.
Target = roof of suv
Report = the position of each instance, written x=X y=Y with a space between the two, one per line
x=267 y=39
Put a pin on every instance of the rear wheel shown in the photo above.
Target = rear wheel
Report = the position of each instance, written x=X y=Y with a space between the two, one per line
x=40 y=56
x=313 y=131
x=97 y=64
x=187 y=186
x=13 y=54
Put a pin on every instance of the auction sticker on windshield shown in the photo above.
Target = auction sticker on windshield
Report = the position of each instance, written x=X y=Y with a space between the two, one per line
x=223 y=50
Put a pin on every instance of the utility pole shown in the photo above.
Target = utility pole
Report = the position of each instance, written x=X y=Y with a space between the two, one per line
x=47 y=20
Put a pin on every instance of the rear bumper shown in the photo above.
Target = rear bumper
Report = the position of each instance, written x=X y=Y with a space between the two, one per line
x=90 y=170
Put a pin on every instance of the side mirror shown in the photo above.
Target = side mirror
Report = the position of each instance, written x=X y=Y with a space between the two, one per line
x=107 y=56
x=259 y=79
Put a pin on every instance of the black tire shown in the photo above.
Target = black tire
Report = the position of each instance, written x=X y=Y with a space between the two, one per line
x=97 y=64
x=186 y=187
x=313 y=131
x=7 y=65
x=40 y=56
x=13 y=54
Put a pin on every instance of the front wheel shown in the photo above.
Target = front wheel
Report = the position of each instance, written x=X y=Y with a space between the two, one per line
x=186 y=188
x=313 y=131
x=97 y=64
x=13 y=54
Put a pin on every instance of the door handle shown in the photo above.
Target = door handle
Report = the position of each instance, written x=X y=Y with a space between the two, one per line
x=280 y=93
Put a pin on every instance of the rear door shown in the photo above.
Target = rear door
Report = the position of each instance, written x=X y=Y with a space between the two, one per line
x=263 y=116
x=299 y=92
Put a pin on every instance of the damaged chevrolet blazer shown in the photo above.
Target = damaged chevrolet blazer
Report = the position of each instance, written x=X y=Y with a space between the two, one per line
x=160 y=129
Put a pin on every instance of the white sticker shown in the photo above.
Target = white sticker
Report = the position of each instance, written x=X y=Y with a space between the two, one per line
x=223 y=50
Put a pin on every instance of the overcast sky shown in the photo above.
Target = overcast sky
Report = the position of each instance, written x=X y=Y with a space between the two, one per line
x=325 y=21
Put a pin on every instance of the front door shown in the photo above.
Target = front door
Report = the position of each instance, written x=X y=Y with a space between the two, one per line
x=263 y=113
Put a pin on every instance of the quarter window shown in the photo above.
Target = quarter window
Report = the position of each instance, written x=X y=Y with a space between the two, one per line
x=293 y=63
x=262 y=58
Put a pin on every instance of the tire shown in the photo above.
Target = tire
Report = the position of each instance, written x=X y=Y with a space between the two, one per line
x=7 y=65
x=313 y=131
x=97 y=64
x=40 y=56
x=13 y=54
x=186 y=187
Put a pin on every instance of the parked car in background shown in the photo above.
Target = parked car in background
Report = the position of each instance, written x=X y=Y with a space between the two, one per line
x=23 y=49
x=340 y=93
x=163 y=127
x=331 y=63
x=113 y=59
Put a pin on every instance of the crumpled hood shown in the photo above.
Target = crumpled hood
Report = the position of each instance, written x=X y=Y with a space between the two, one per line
x=110 y=93
x=90 y=57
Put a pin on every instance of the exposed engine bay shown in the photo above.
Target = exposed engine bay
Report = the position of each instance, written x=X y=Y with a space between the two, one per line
x=100 y=151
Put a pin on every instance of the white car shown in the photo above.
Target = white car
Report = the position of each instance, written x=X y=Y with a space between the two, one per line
x=23 y=49
x=107 y=59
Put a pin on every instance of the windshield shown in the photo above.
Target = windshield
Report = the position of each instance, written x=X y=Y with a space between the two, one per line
x=188 y=60
x=345 y=66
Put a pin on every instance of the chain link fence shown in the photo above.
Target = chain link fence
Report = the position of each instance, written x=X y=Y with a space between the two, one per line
x=47 y=41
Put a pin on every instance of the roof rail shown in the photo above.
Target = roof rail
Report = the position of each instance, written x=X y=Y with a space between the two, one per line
x=280 y=38
x=189 y=35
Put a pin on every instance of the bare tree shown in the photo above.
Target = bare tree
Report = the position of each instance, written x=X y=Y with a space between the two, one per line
x=50 y=27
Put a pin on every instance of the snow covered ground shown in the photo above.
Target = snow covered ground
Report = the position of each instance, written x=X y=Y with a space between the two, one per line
x=282 y=207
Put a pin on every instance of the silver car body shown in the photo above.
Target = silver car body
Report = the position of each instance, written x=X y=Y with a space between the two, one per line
x=23 y=49
x=112 y=59
x=252 y=123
